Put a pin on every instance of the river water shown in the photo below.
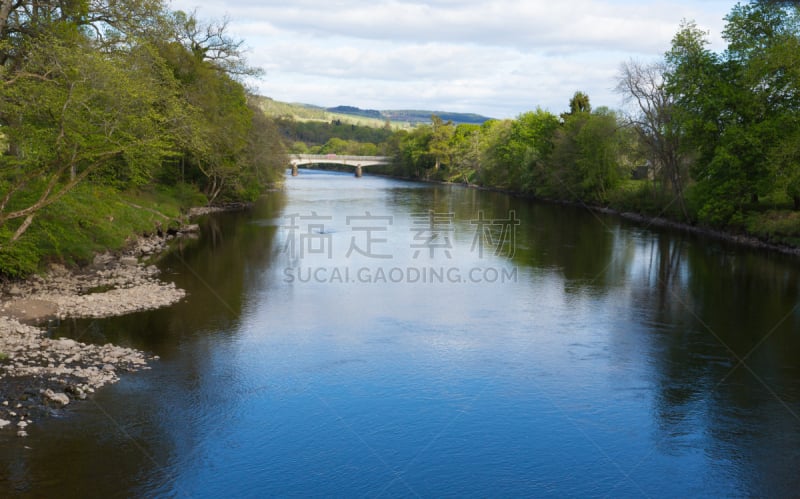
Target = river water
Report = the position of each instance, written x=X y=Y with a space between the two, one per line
x=381 y=338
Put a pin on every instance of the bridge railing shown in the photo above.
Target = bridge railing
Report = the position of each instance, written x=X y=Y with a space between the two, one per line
x=339 y=157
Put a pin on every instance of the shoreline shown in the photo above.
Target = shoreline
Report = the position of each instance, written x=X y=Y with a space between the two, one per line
x=740 y=239
x=39 y=375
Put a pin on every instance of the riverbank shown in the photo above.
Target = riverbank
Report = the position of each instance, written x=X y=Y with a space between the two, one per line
x=39 y=375
x=737 y=237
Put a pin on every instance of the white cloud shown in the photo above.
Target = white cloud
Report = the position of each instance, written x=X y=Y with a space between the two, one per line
x=498 y=58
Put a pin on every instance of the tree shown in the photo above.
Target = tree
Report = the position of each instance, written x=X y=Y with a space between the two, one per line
x=579 y=103
x=70 y=112
x=211 y=42
x=440 y=143
x=466 y=152
x=264 y=157
x=739 y=108
x=107 y=23
x=585 y=163
x=217 y=121
x=655 y=121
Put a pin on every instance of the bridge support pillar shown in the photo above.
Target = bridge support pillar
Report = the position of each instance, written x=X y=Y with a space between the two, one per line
x=294 y=170
x=359 y=172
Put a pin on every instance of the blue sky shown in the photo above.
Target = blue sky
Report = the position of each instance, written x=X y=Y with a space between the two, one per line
x=497 y=58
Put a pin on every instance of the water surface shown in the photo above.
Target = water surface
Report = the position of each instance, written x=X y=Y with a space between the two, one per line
x=589 y=356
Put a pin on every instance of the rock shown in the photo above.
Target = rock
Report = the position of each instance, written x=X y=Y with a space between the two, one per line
x=59 y=398
x=15 y=291
x=57 y=269
x=22 y=433
x=102 y=260
x=129 y=261
x=4 y=423
x=66 y=344
x=190 y=228
x=22 y=425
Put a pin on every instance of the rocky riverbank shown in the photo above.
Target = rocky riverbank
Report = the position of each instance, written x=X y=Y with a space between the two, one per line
x=39 y=375
x=110 y=286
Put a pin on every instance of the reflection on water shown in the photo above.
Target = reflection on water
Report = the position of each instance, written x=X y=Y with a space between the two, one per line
x=619 y=361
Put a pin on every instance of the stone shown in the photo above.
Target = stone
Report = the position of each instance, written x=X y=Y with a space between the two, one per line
x=22 y=433
x=129 y=261
x=59 y=398
x=4 y=423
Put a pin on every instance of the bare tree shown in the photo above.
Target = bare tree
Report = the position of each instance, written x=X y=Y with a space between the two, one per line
x=211 y=42
x=653 y=117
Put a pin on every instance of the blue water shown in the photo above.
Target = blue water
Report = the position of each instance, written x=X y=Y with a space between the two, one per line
x=607 y=364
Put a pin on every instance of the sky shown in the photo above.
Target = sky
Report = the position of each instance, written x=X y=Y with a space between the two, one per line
x=498 y=58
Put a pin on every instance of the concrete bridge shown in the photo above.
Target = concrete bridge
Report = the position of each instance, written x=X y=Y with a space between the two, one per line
x=357 y=162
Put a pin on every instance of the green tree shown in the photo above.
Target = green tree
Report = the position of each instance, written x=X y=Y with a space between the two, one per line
x=739 y=108
x=467 y=151
x=69 y=112
x=585 y=163
x=579 y=103
x=440 y=146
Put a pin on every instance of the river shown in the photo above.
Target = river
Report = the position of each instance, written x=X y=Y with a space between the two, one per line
x=375 y=337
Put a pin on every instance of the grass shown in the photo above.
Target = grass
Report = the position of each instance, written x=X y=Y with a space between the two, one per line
x=775 y=226
x=88 y=220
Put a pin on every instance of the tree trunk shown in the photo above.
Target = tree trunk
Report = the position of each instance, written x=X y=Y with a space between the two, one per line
x=5 y=10
x=22 y=228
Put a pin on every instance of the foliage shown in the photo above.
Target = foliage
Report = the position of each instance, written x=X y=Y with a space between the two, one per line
x=740 y=108
x=71 y=111
x=585 y=164
x=315 y=133
x=118 y=97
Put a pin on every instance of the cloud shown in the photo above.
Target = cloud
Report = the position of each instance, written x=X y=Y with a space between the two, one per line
x=494 y=57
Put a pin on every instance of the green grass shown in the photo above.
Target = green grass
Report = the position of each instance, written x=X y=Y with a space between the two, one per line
x=775 y=226
x=88 y=220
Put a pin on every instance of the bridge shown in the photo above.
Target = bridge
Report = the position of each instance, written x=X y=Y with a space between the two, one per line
x=357 y=162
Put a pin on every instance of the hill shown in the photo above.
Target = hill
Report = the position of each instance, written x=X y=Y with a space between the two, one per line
x=416 y=116
x=363 y=117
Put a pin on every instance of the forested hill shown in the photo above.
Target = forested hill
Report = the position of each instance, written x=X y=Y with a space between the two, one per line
x=367 y=117
x=425 y=117
x=411 y=116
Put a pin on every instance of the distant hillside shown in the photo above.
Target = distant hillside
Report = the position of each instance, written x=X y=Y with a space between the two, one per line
x=363 y=117
x=415 y=116
x=367 y=113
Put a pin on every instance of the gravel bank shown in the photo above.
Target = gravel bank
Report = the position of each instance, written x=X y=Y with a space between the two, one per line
x=39 y=376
